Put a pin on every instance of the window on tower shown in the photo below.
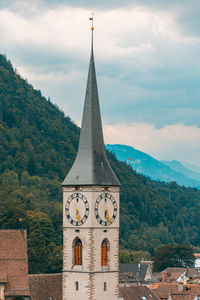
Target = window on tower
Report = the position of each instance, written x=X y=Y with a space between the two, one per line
x=104 y=253
x=78 y=252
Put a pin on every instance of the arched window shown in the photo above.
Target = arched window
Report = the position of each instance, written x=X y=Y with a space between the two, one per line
x=78 y=252
x=104 y=252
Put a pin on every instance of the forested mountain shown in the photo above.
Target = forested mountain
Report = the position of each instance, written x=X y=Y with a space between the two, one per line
x=38 y=144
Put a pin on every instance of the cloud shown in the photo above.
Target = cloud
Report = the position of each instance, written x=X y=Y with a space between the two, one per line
x=178 y=141
x=73 y=75
x=147 y=62
x=126 y=35
x=64 y=36
x=147 y=68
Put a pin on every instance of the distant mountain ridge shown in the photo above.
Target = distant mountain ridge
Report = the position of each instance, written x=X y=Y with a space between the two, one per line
x=191 y=167
x=177 y=166
x=156 y=170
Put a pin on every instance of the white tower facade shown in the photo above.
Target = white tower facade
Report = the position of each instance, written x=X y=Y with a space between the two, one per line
x=91 y=211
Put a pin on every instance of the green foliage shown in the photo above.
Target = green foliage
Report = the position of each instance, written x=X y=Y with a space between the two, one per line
x=131 y=256
x=174 y=256
x=33 y=201
x=38 y=146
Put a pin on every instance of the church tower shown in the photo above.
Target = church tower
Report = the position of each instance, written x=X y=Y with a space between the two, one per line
x=91 y=211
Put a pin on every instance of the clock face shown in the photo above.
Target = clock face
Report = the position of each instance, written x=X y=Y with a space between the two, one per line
x=105 y=209
x=77 y=209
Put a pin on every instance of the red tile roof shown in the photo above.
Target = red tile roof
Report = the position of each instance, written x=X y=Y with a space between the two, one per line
x=137 y=292
x=20 y=293
x=3 y=277
x=197 y=255
x=191 y=273
x=14 y=261
x=189 y=291
x=170 y=274
x=44 y=286
x=180 y=297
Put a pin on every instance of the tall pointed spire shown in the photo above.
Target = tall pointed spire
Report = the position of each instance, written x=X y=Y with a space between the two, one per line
x=91 y=166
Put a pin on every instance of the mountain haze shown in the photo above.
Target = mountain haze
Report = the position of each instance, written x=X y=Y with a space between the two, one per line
x=178 y=167
x=191 y=167
x=156 y=170
x=38 y=146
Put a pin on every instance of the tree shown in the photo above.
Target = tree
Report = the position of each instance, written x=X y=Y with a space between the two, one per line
x=131 y=256
x=41 y=242
x=174 y=256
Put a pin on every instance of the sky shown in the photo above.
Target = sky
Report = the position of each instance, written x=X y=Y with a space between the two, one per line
x=147 y=56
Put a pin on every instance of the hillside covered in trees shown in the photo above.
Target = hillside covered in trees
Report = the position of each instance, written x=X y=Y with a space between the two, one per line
x=37 y=148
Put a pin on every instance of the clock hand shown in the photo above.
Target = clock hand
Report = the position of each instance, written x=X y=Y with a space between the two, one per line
x=105 y=210
x=77 y=214
x=107 y=215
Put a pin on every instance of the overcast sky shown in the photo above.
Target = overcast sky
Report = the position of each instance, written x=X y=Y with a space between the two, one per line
x=147 y=57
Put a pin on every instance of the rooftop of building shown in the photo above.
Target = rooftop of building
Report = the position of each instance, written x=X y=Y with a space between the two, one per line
x=137 y=270
x=45 y=286
x=137 y=292
x=14 y=262
x=176 y=291
x=171 y=274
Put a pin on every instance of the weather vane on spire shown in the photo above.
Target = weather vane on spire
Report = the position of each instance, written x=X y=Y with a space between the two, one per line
x=92 y=19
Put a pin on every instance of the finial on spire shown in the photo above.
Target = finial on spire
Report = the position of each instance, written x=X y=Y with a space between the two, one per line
x=92 y=28
x=92 y=19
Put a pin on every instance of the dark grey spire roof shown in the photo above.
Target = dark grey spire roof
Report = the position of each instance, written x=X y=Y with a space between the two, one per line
x=91 y=166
